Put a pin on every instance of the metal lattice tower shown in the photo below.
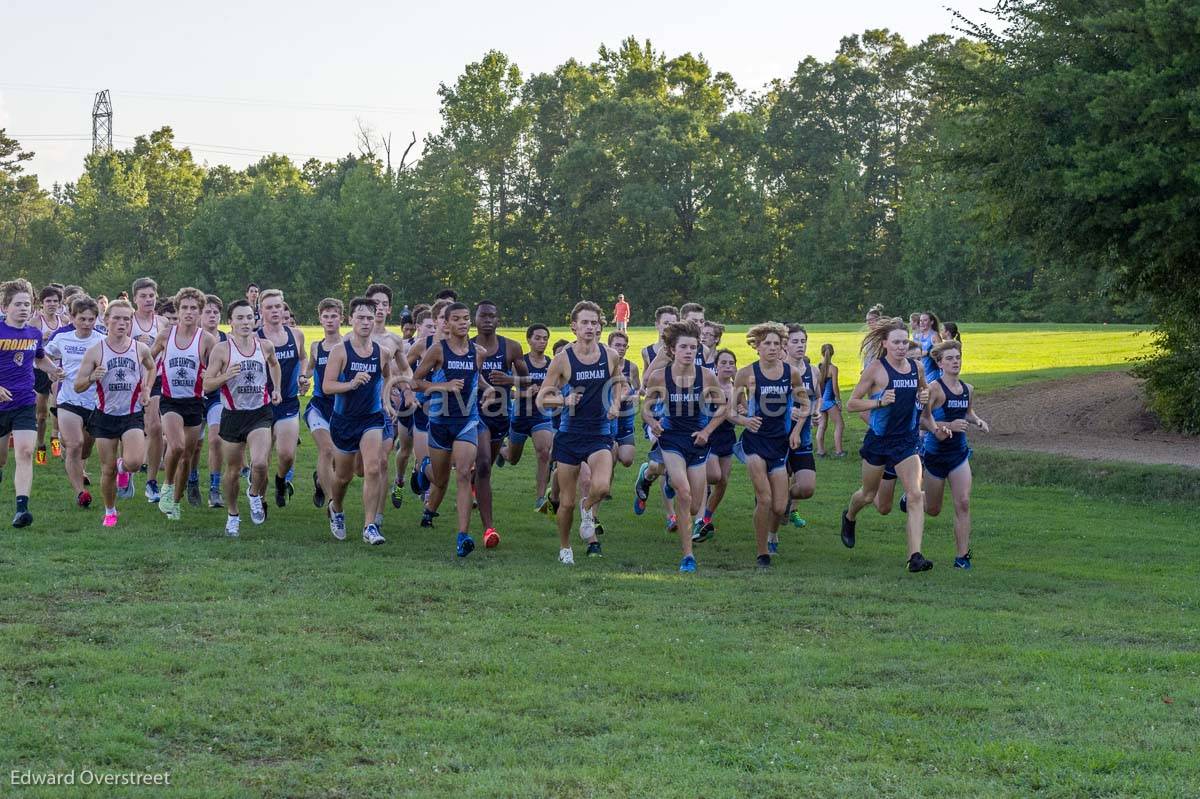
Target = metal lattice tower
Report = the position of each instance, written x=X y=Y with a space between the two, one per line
x=102 y=123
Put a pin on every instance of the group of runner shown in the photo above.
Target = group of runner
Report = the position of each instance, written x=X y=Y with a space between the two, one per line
x=146 y=380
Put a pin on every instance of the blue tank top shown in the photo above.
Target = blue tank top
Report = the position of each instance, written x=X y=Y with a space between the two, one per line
x=649 y=353
x=772 y=402
x=926 y=343
x=526 y=407
x=455 y=405
x=318 y=390
x=899 y=418
x=704 y=364
x=590 y=415
x=684 y=407
x=497 y=362
x=827 y=389
x=808 y=378
x=289 y=365
x=954 y=408
x=367 y=398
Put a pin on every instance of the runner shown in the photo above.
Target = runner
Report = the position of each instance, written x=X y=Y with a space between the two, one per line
x=147 y=325
x=48 y=321
x=393 y=406
x=624 y=446
x=20 y=352
x=241 y=367
x=503 y=366
x=69 y=346
x=649 y=471
x=449 y=373
x=766 y=392
x=210 y=322
x=319 y=413
x=433 y=329
x=289 y=352
x=720 y=447
x=947 y=456
x=355 y=377
x=592 y=372
x=121 y=370
x=181 y=353
x=529 y=421
x=801 y=464
x=685 y=391
x=889 y=389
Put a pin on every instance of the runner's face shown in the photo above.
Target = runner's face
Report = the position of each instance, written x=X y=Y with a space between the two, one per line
x=897 y=345
x=459 y=323
x=486 y=319
x=331 y=321
x=272 y=310
x=383 y=306
x=242 y=321
x=189 y=313
x=797 y=345
x=666 y=319
x=925 y=323
x=538 y=341
x=210 y=318
x=685 y=349
x=145 y=300
x=620 y=345
x=120 y=322
x=694 y=316
x=85 y=322
x=726 y=366
x=951 y=362
x=770 y=348
x=20 y=308
x=363 y=320
x=708 y=336
x=252 y=295
x=171 y=316
x=586 y=326
x=51 y=305
x=426 y=328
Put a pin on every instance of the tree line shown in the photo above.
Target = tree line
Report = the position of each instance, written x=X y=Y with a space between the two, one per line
x=1043 y=170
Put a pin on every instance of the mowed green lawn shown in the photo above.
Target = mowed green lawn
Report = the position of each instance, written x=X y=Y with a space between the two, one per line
x=286 y=664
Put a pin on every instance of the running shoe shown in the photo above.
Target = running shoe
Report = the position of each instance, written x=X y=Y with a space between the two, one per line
x=707 y=531
x=599 y=528
x=593 y=550
x=687 y=565
x=23 y=519
x=245 y=472
x=847 y=532
x=414 y=484
x=84 y=499
x=672 y=524
x=587 y=523
x=464 y=545
x=553 y=506
x=698 y=534
x=540 y=505
x=193 y=493
x=500 y=462
x=258 y=509
x=56 y=447
x=904 y=503
x=337 y=524
x=763 y=562
x=566 y=556
x=668 y=491
x=110 y=519
x=124 y=481
x=918 y=563
x=174 y=513
x=152 y=493
x=166 y=498
x=372 y=536
x=796 y=520
x=318 y=492
x=282 y=491
x=773 y=547
x=397 y=495
x=232 y=525
x=641 y=490
x=963 y=561
x=214 y=498
x=491 y=539
x=427 y=517
x=40 y=457
x=422 y=478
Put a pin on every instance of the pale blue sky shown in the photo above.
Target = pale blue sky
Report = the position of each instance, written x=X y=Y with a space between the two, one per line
x=234 y=79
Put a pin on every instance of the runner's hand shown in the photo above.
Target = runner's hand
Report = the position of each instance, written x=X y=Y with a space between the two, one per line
x=233 y=370
x=275 y=397
x=889 y=397
x=5 y=394
x=655 y=427
x=753 y=423
x=959 y=426
x=984 y=426
x=98 y=373
x=360 y=379
x=794 y=439
x=922 y=395
x=700 y=438
x=304 y=383
x=498 y=378
x=453 y=386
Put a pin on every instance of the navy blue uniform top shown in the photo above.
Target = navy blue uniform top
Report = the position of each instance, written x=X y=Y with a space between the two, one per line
x=289 y=365
x=954 y=408
x=455 y=405
x=808 y=378
x=899 y=418
x=497 y=362
x=367 y=399
x=685 y=411
x=526 y=407
x=590 y=414
x=772 y=402
x=213 y=397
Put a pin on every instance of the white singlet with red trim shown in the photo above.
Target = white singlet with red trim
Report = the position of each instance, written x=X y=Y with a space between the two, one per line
x=141 y=334
x=180 y=370
x=119 y=392
x=247 y=390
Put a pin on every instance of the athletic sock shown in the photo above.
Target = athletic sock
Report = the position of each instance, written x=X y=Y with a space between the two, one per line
x=22 y=503
x=378 y=519
x=290 y=474
x=214 y=480
x=112 y=511
x=193 y=476
x=708 y=514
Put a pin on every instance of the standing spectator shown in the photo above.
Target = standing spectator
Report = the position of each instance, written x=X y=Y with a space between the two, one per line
x=621 y=313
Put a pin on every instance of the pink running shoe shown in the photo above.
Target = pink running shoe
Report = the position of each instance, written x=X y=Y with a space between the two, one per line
x=110 y=520
x=122 y=476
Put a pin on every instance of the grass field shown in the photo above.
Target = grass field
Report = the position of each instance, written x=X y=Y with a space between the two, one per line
x=286 y=664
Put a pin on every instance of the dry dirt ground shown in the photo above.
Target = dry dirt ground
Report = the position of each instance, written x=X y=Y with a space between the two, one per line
x=1099 y=416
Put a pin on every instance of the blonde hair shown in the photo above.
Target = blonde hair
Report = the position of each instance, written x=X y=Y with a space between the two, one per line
x=268 y=294
x=872 y=343
x=114 y=305
x=12 y=288
x=189 y=293
x=943 y=347
x=587 y=305
x=756 y=334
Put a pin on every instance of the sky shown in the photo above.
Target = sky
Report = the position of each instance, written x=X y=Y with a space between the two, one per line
x=239 y=80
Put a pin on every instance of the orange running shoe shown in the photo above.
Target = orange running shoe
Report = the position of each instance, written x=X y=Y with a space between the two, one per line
x=40 y=457
x=491 y=539
x=56 y=447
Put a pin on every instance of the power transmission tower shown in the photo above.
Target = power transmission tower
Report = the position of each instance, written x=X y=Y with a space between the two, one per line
x=102 y=123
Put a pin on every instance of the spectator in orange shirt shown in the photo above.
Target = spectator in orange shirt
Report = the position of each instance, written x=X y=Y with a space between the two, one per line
x=621 y=313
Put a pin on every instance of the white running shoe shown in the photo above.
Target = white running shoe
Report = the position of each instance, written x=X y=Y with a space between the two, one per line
x=587 y=523
x=258 y=512
x=232 y=523
x=337 y=524
x=566 y=556
x=371 y=535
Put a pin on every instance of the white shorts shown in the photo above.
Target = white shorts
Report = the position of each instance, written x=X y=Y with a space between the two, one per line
x=315 y=420
x=213 y=418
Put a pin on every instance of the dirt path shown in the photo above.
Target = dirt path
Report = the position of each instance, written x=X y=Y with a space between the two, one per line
x=1100 y=416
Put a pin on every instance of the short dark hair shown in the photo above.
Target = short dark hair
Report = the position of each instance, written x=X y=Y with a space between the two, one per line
x=536 y=326
x=482 y=303
x=233 y=306
x=213 y=299
x=380 y=288
x=454 y=306
x=447 y=294
x=361 y=302
x=50 y=291
x=251 y=285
